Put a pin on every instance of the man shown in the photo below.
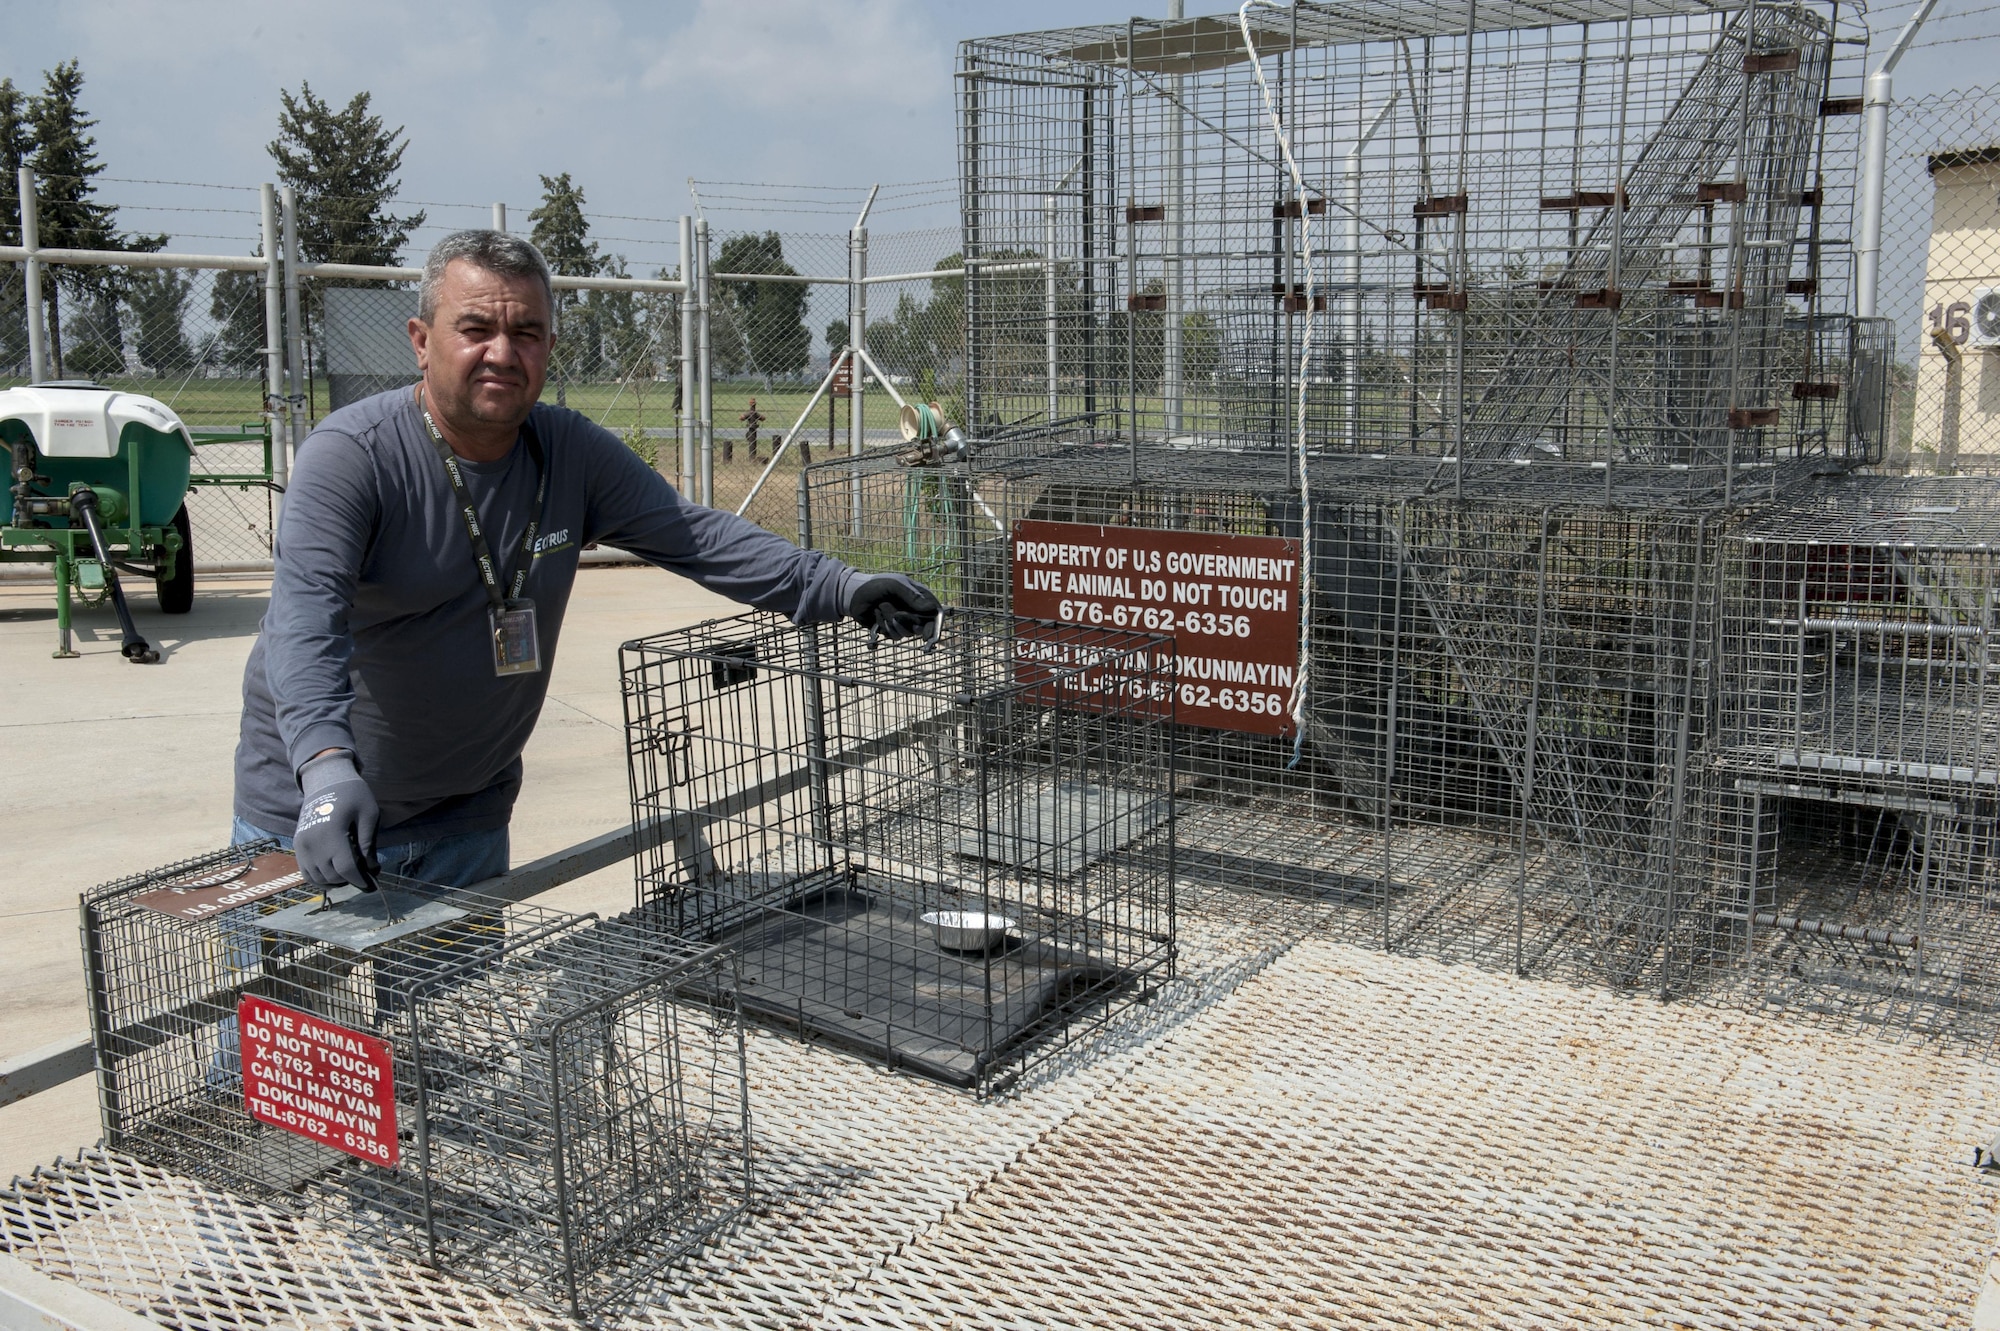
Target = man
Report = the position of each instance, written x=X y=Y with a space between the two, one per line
x=405 y=657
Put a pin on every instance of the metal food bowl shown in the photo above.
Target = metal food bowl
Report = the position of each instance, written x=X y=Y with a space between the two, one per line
x=968 y=930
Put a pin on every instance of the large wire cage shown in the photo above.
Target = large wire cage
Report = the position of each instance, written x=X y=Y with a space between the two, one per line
x=957 y=861
x=510 y=1093
x=1590 y=234
x=1506 y=698
x=1852 y=795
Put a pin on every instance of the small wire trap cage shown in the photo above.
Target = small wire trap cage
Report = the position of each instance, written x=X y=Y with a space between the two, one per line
x=954 y=861
x=511 y=1093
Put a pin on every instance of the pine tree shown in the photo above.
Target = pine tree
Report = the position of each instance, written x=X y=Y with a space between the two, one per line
x=771 y=314
x=67 y=213
x=562 y=233
x=17 y=144
x=97 y=336
x=17 y=147
x=236 y=303
x=159 y=300
x=343 y=165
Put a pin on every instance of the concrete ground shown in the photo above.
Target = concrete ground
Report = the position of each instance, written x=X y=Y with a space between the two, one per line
x=115 y=768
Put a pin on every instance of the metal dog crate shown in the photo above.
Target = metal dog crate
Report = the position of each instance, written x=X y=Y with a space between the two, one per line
x=823 y=803
x=508 y=1093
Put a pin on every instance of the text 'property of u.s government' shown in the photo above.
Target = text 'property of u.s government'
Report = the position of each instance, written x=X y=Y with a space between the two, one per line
x=1230 y=603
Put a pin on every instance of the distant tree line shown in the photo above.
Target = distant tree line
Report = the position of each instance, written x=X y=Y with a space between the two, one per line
x=343 y=163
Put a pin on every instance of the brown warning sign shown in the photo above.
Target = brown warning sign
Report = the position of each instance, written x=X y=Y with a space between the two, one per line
x=224 y=887
x=1230 y=603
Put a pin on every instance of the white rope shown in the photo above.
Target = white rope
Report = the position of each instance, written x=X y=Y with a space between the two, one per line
x=1298 y=707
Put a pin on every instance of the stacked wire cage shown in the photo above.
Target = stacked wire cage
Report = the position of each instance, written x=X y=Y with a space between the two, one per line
x=1556 y=294
x=957 y=861
x=1851 y=832
x=552 y=1121
x=1505 y=700
x=1591 y=235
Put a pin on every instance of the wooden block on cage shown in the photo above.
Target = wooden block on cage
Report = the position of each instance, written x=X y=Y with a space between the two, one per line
x=1840 y=106
x=1604 y=298
x=1801 y=286
x=1602 y=198
x=1444 y=205
x=1780 y=61
x=1138 y=303
x=1752 y=418
x=1290 y=208
x=1719 y=300
x=1804 y=389
x=1721 y=191
x=1145 y=212
x=1444 y=298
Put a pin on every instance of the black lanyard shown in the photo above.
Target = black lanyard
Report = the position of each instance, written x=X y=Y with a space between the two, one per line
x=524 y=557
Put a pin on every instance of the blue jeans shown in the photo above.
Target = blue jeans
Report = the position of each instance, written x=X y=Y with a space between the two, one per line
x=459 y=860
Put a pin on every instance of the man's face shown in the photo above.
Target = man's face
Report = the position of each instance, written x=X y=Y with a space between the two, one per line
x=485 y=352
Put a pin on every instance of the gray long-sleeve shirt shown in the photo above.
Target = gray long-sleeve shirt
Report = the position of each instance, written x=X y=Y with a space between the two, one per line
x=377 y=639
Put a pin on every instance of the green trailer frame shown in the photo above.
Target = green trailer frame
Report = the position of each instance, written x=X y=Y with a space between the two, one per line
x=80 y=577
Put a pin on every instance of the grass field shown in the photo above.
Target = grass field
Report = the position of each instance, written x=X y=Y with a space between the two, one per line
x=218 y=403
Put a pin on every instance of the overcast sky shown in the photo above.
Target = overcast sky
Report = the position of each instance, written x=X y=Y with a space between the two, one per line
x=630 y=98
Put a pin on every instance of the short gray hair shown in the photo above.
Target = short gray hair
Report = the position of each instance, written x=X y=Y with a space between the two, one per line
x=496 y=252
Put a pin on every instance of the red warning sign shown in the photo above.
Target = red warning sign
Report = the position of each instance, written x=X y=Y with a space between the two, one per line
x=1230 y=603
x=308 y=1076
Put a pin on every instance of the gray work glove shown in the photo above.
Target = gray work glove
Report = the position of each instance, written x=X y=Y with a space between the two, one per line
x=335 y=840
x=892 y=606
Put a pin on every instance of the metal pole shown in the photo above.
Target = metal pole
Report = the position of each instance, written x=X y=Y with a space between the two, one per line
x=688 y=301
x=274 y=349
x=857 y=337
x=1351 y=180
x=295 y=359
x=1171 y=373
x=1874 y=163
x=500 y=217
x=1049 y=294
x=31 y=241
x=705 y=374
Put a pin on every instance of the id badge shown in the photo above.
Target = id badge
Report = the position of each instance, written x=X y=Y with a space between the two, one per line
x=516 y=648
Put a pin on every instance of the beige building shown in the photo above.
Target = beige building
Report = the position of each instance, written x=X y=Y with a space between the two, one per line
x=1958 y=389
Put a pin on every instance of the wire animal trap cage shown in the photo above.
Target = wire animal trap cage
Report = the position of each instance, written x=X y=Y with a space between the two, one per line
x=1505 y=698
x=510 y=1093
x=1853 y=788
x=955 y=861
x=1592 y=235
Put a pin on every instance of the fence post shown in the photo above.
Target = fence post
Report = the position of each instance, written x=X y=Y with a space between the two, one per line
x=706 y=371
x=857 y=337
x=274 y=351
x=1874 y=166
x=687 y=403
x=500 y=217
x=1049 y=296
x=31 y=241
x=294 y=323
x=1172 y=370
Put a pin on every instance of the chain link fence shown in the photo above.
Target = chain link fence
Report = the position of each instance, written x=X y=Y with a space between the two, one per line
x=773 y=344
x=1940 y=280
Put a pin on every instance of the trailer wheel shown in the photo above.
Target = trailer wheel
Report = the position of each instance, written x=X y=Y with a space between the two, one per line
x=177 y=592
